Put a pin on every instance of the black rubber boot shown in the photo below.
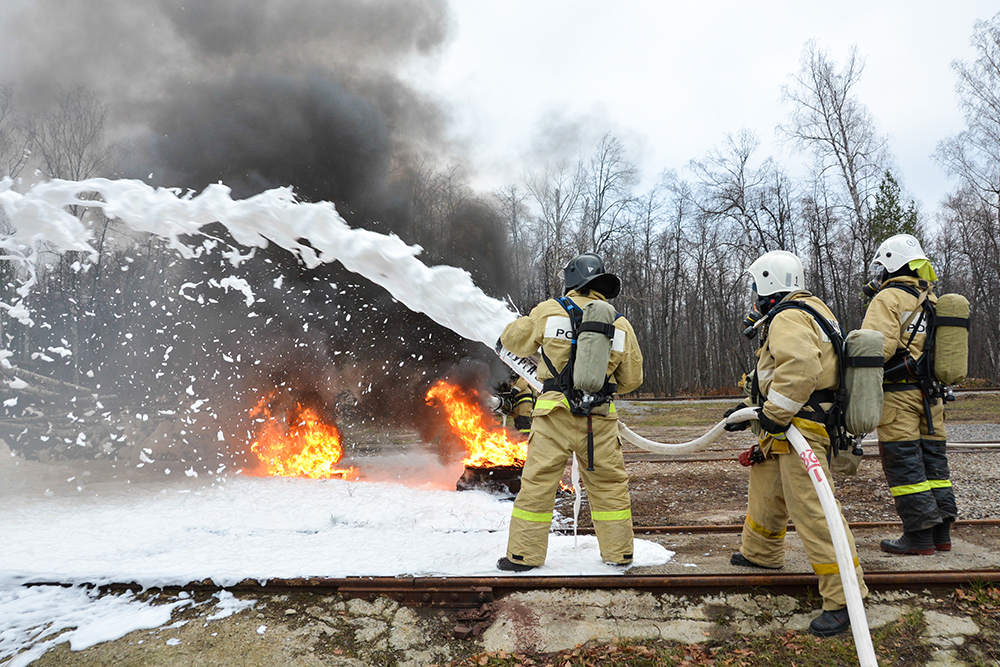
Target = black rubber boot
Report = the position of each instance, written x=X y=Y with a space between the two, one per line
x=509 y=566
x=830 y=623
x=942 y=535
x=619 y=566
x=743 y=561
x=919 y=542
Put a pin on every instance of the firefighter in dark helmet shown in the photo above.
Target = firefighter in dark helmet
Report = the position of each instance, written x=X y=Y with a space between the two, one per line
x=796 y=370
x=561 y=423
x=911 y=437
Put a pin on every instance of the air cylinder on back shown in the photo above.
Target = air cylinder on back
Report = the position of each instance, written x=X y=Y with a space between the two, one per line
x=951 y=339
x=863 y=377
x=593 y=348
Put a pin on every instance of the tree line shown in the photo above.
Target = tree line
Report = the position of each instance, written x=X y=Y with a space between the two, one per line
x=681 y=248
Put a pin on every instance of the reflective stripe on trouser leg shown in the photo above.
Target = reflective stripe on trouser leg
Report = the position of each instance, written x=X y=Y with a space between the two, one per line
x=903 y=465
x=939 y=476
x=607 y=492
x=807 y=514
x=531 y=518
x=915 y=463
x=606 y=485
x=763 y=539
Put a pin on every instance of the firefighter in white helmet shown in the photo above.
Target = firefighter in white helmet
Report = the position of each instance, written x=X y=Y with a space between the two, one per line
x=561 y=427
x=793 y=383
x=912 y=440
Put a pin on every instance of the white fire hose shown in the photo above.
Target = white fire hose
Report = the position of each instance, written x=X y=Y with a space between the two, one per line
x=841 y=545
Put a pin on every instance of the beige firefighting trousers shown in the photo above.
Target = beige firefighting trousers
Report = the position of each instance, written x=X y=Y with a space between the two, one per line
x=554 y=437
x=780 y=489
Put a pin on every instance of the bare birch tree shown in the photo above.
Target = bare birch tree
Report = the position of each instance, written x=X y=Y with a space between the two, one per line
x=754 y=200
x=828 y=120
x=608 y=192
x=558 y=197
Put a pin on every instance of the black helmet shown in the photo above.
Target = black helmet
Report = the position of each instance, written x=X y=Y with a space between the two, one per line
x=586 y=271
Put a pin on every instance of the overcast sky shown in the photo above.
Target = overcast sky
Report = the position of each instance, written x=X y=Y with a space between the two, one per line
x=671 y=79
x=521 y=82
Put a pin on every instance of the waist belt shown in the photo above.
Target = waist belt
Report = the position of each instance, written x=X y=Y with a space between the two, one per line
x=552 y=385
x=899 y=386
x=818 y=417
x=815 y=401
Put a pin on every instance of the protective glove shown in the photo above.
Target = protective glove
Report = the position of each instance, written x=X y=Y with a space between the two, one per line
x=752 y=455
x=773 y=428
x=738 y=426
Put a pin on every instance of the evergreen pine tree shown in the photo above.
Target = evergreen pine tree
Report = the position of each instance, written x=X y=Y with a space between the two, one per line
x=889 y=217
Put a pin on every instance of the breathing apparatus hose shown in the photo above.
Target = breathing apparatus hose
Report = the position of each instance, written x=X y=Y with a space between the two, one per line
x=841 y=545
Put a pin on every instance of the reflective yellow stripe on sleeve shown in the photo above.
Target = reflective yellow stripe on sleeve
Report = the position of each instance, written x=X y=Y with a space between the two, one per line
x=939 y=483
x=761 y=530
x=537 y=517
x=907 y=489
x=611 y=516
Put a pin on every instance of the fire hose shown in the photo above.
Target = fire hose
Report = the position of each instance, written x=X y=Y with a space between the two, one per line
x=841 y=545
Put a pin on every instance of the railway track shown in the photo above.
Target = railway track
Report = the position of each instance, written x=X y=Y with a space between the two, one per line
x=728 y=397
x=472 y=592
x=735 y=528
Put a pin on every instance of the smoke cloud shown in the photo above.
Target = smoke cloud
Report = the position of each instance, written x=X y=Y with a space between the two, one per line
x=259 y=94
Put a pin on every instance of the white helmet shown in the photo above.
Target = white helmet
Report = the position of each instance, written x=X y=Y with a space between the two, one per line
x=777 y=271
x=896 y=252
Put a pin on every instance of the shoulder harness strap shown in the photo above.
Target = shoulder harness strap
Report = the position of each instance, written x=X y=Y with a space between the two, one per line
x=833 y=418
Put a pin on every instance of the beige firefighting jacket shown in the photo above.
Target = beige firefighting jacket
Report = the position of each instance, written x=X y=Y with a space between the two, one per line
x=890 y=309
x=795 y=359
x=548 y=327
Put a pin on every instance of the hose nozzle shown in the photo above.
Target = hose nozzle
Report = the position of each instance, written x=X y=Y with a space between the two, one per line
x=751 y=322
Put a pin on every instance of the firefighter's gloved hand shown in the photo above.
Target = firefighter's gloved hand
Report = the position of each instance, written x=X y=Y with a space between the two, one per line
x=773 y=428
x=752 y=455
x=738 y=426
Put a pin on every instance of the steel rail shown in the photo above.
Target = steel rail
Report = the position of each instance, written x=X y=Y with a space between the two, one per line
x=738 y=527
x=471 y=592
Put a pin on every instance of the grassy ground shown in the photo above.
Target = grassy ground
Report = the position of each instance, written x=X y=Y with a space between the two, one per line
x=974 y=409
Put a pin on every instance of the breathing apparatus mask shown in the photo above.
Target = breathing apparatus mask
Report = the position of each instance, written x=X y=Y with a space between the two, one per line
x=873 y=286
x=758 y=311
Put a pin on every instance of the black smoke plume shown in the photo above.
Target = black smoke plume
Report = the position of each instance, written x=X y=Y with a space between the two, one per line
x=261 y=94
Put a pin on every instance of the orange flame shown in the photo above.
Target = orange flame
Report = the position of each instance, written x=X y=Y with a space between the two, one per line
x=303 y=446
x=488 y=444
